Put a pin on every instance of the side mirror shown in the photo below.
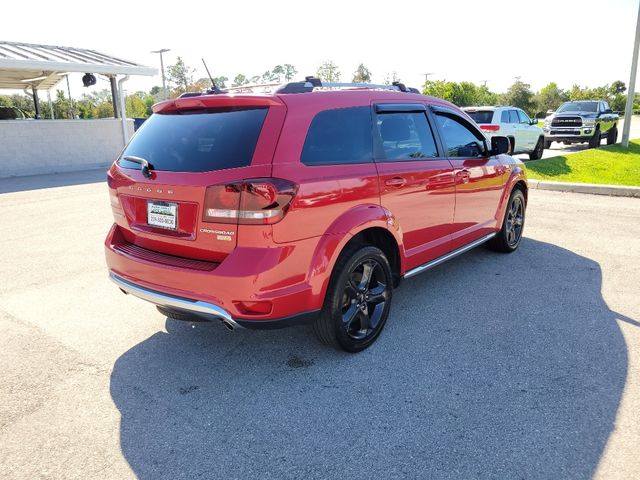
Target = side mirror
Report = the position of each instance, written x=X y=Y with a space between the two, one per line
x=550 y=112
x=534 y=121
x=608 y=111
x=499 y=145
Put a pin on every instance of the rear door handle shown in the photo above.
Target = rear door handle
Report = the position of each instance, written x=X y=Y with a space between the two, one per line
x=464 y=172
x=395 y=182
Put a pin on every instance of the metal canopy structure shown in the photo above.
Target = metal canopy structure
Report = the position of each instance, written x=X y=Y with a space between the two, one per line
x=43 y=66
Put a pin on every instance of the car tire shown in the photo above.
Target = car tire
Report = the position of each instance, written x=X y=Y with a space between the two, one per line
x=547 y=144
x=594 y=142
x=538 y=151
x=612 y=136
x=508 y=238
x=358 y=300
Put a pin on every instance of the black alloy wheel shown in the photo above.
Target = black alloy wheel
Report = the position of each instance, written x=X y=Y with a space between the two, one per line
x=515 y=221
x=365 y=294
x=508 y=238
x=358 y=299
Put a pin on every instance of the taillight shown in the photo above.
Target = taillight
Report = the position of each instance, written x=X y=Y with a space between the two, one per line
x=258 y=201
x=490 y=128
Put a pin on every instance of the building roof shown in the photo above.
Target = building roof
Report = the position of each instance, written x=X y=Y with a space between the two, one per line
x=43 y=66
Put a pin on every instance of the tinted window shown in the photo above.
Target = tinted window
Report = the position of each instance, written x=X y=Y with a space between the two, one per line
x=406 y=136
x=460 y=141
x=504 y=118
x=513 y=116
x=197 y=142
x=339 y=136
x=524 y=118
x=590 y=107
x=482 y=116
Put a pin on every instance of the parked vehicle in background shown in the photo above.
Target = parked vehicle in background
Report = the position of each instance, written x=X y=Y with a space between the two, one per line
x=585 y=121
x=304 y=205
x=523 y=133
x=11 y=113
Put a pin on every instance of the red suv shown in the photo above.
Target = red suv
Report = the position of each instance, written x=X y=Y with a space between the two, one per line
x=308 y=204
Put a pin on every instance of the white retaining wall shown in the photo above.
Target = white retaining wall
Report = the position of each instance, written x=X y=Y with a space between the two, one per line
x=30 y=147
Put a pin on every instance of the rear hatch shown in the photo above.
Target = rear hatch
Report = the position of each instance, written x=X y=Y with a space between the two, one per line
x=191 y=156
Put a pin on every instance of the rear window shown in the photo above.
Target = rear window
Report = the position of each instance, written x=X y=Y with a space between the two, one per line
x=197 y=141
x=339 y=136
x=482 y=116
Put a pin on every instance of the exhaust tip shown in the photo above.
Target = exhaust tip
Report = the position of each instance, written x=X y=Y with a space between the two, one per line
x=227 y=325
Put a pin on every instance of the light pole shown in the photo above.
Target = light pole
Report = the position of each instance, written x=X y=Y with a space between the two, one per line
x=164 y=85
x=631 y=91
x=426 y=77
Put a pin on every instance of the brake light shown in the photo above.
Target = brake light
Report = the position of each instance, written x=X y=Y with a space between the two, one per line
x=490 y=128
x=258 y=201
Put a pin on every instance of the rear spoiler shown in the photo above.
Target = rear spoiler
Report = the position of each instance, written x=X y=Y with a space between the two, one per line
x=214 y=101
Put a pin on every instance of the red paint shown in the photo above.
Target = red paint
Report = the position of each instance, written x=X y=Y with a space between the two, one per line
x=272 y=270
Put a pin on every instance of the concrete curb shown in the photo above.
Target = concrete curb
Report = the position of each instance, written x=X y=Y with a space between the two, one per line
x=590 y=188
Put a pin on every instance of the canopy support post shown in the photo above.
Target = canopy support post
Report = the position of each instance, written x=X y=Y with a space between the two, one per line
x=125 y=130
x=36 y=101
x=114 y=96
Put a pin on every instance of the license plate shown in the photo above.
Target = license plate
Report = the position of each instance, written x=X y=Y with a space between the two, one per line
x=162 y=214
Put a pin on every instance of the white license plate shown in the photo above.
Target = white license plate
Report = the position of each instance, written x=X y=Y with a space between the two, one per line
x=162 y=214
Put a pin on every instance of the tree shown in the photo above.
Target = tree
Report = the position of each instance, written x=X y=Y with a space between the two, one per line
x=361 y=75
x=155 y=90
x=267 y=77
x=289 y=71
x=618 y=87
x=221 y=82
x=239 y=79
x=180 y=75
x=328 y=72
x=135 y=107
x=277 y=73
x=550 y=97
x=255 y=79
x=520 y=95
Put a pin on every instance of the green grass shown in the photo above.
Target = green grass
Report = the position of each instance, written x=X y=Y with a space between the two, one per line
x=610 y=165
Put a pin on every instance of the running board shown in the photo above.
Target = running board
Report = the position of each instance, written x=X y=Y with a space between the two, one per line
x=448 y=256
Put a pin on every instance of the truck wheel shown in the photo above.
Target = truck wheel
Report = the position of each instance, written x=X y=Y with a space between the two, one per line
x=358 y=300
x=594 y=142
x=547 y=144
x=538 y=151
x=509 y=236
x=612 y=136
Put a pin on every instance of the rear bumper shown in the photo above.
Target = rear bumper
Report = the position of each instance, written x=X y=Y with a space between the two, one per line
x=274 y=275
x=206 y=310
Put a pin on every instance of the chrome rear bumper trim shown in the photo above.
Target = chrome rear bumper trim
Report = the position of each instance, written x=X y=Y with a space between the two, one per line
x=166 y=300
x=448 y=256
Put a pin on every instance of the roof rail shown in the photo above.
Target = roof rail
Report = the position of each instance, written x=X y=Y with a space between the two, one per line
x=310 y=84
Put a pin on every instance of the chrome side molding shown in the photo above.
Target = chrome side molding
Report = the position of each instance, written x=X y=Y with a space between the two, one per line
x=437 y=261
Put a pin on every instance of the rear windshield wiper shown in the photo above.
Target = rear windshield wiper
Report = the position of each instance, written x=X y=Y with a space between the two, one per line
x=144 y=164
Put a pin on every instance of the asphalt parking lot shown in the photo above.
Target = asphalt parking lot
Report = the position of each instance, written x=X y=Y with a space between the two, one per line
x=491 y=366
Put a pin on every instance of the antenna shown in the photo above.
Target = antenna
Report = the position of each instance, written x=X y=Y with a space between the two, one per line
x=214 y=87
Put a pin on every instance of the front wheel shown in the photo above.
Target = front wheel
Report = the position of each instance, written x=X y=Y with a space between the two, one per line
x=358 y=300
x=538 y=151
x=612 y=136
x=508 y=238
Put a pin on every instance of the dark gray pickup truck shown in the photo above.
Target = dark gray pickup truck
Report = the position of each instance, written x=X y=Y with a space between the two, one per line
x=585 y=121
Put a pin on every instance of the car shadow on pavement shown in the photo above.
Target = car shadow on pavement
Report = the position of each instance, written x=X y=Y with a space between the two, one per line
x=491 y=366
